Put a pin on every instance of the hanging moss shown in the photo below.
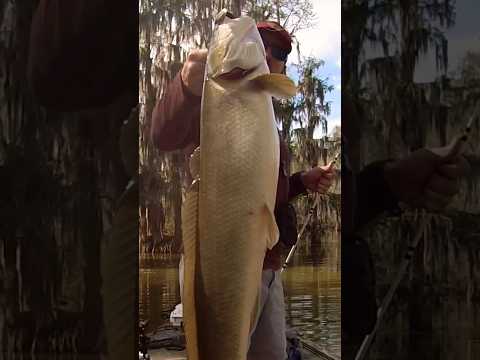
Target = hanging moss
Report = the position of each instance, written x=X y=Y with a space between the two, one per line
x=60 y=175
x=438 y=299
x=169 y=30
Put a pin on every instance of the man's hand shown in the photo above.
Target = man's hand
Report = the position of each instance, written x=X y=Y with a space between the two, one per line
x=319 y=179
x=193 y=71
x=424 y=179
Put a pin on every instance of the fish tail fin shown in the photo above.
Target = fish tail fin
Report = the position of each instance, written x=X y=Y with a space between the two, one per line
x=279 y=85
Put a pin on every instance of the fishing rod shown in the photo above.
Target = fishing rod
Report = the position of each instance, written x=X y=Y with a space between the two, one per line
x=300 y=234
x=455 y=148
x=315 y=350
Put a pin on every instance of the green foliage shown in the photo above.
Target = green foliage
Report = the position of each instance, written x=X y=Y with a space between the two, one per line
x=307 y=111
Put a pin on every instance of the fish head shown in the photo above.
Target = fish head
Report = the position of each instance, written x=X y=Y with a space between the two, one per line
x=236 y=44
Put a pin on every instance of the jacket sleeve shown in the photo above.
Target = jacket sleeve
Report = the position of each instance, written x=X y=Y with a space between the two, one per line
x=176 y=118
x=296 y=186
x=83 y=53
x=373 y=193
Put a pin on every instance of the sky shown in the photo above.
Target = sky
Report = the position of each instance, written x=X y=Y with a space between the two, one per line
x=462 y=37
x=323 y=41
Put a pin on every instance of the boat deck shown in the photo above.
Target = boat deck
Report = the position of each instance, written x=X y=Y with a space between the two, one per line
x=163 y=354
x=309 y=352
x=167 y=343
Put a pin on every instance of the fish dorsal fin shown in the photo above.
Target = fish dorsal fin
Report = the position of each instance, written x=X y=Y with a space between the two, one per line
x=279 y=85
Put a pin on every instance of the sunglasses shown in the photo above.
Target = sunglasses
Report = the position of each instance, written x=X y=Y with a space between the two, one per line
x=279 y=54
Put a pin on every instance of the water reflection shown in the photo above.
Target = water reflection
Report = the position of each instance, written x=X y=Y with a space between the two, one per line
x=312 y=291
x=159 y=290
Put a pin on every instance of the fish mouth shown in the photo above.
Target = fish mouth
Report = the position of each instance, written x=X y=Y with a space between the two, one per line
x=236 y=74
x=236 y=49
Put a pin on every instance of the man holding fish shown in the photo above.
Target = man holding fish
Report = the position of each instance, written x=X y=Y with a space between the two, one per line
x=176 y=125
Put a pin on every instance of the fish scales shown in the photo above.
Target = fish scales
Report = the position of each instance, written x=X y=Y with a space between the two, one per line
x=228 y=219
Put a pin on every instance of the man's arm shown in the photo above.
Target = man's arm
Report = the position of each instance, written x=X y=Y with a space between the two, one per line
x=421 y=179
x=83 y=53
x=296 y=186
x=319 y=179
x=374 y=195
x=176 y=118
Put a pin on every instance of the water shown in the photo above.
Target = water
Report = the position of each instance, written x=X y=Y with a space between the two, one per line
x=159 y=290
x=311 y=283
x=312 y=293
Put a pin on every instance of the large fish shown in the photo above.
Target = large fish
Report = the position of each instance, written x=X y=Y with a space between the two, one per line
x=228 y=219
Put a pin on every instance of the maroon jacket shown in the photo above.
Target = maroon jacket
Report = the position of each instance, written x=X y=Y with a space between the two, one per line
x=176 y=125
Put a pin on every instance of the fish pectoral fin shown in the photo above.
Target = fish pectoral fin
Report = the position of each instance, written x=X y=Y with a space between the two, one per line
x=272 y=228
x=279 y=85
